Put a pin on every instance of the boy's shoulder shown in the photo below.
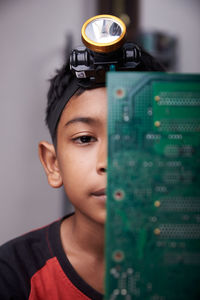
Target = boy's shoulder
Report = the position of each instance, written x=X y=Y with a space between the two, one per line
x=26 y=245
x=21 y=258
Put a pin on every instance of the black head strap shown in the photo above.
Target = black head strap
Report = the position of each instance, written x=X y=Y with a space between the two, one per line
x=56 y=110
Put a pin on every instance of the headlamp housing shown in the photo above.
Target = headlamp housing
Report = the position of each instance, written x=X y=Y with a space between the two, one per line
x=105 y=49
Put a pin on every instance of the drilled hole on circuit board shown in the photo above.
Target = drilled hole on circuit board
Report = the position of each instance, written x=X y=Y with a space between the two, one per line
x=119 y=195
x=119 y=93
x=118 y=255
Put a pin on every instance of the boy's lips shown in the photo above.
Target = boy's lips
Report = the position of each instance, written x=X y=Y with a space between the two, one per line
x=100 y=194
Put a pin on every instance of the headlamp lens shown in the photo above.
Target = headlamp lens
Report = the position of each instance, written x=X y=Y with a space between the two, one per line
x=103 y=30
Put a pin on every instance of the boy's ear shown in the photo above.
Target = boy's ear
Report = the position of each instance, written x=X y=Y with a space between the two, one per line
x=49 y=161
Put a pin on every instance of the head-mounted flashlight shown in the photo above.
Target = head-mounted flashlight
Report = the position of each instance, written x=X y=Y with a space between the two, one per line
x=105 y=49
x=103 y=33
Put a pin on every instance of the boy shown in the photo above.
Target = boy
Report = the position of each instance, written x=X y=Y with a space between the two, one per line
x=65 y=260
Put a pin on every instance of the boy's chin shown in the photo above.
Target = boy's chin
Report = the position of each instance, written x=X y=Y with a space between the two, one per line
x=101 y=218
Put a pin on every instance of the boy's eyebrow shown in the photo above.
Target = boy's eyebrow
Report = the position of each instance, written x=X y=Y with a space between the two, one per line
x=86 y=120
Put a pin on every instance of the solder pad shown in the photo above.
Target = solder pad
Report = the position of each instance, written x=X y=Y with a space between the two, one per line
x=153 y=190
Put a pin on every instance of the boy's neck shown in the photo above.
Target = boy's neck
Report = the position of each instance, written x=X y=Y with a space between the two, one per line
x=83 y=234
x=83 y=243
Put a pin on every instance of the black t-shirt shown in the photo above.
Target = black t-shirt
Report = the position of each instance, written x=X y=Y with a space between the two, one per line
x=34 y=266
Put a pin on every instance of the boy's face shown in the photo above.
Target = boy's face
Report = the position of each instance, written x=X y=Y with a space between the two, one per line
x=82 y=152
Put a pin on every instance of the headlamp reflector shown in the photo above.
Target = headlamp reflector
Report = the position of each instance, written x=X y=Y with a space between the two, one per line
x=103 y=33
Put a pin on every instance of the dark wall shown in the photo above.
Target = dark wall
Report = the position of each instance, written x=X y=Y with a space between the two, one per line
x=127 y=10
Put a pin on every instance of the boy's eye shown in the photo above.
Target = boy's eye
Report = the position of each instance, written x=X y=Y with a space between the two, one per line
x=84 y=139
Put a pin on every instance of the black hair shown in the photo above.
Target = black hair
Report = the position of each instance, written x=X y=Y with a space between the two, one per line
x=60 y=82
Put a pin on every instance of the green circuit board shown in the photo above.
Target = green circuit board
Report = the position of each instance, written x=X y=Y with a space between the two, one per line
x=153 y=191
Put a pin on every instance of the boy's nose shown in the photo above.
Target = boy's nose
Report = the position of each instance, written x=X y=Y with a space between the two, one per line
x=102 y=158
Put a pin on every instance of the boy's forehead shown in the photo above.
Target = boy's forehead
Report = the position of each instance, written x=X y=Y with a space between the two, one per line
x=90 y=104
